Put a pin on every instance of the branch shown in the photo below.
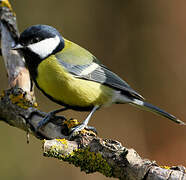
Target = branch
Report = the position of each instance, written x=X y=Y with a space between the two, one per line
x=109 y=157
x=87 y=151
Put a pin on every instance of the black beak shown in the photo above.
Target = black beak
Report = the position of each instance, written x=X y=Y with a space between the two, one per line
x=17 y=47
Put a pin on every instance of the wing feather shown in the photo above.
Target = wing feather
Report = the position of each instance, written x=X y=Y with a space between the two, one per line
x=92 y=70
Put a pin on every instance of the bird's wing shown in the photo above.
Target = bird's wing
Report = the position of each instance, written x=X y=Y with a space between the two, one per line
x=82 y=64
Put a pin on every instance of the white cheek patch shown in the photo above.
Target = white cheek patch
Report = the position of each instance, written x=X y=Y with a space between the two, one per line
x=45 y=47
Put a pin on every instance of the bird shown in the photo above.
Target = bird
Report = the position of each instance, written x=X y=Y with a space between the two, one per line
x=73 y=77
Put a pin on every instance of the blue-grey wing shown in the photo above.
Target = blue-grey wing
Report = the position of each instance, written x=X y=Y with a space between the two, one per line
x=99 y=73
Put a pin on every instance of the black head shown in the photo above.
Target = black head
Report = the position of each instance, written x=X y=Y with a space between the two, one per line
x=41 y=40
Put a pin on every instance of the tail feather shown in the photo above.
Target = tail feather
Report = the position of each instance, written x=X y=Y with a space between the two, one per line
x=149 y=107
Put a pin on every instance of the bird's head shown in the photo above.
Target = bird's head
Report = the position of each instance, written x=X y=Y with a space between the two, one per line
x=40 y=40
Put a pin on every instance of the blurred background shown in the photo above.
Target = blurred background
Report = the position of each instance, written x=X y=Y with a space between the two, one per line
x=144 y=42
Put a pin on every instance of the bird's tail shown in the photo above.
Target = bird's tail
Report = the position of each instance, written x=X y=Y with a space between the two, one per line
x=149 y=107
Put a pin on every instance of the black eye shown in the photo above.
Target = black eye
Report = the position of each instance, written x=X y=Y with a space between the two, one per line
x=25 y=41
x=34 y=40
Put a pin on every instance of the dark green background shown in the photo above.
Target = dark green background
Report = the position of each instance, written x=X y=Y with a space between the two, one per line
x=142 y=41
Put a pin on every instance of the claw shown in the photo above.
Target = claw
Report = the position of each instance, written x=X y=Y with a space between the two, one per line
x=76 y=130
x=45 y=120
x=48 y=117
x=91 y=128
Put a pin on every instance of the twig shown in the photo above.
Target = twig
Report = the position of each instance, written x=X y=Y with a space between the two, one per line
x=86 y=150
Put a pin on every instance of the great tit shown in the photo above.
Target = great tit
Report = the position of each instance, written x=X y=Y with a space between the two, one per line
x=74 y=78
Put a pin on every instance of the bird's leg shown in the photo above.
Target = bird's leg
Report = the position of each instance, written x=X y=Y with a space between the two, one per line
x=75 y=130
x=49 y=115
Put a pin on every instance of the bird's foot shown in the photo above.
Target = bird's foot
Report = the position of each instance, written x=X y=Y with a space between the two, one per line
x=44 y=121
x=49 y=117
x=76 y=130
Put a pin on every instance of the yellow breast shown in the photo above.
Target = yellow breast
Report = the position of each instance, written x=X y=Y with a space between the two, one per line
x=55 y=81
